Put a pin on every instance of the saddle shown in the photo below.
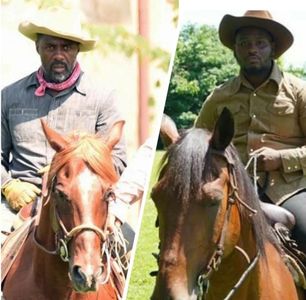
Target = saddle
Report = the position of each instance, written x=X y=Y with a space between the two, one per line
x=294 y=258
x=12 y=245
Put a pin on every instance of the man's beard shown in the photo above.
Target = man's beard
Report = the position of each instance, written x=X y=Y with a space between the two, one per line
x=58 y=77
x=253 y=71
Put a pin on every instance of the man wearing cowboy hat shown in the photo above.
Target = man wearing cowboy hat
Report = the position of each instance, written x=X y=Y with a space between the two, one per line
x=269 y=109
x=60 y=93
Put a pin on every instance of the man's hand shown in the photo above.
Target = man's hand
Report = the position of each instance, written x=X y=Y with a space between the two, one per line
x=19 y=193
x=268 y=159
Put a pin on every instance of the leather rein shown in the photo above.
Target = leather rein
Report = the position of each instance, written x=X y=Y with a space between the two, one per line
x=217 y=255
x=63 y=236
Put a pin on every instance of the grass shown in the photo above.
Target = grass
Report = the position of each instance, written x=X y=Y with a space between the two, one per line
x=141 y=283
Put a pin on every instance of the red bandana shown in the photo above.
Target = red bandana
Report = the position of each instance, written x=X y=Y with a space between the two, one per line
x=40 y=91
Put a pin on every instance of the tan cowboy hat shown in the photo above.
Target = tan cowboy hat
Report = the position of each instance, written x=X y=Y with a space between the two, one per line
x=60 y=23
x=255 y=18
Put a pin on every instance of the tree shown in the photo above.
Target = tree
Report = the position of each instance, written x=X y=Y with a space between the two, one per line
x=201 y=63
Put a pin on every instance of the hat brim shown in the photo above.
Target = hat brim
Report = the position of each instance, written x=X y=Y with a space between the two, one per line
x=30 y=30
x=229 y=26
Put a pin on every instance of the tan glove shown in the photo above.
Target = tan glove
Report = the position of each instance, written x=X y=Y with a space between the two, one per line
x=19 y=193
x=44 y=170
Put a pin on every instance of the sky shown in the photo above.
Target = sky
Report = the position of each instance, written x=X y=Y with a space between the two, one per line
x=293 y=17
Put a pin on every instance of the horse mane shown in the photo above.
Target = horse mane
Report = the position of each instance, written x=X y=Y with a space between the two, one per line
x=92 y=150
x=261 y=229
x=188 y=163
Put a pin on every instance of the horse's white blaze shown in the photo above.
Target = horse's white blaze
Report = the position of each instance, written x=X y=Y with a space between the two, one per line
x=86 y=182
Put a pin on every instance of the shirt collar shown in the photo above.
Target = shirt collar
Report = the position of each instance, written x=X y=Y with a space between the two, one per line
x=275 y=76
x=79 y=87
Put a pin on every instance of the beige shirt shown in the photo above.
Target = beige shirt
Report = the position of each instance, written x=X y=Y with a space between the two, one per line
x=272 y=115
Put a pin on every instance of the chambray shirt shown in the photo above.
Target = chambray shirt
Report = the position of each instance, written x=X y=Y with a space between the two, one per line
x=272 y=115
x=24 y=148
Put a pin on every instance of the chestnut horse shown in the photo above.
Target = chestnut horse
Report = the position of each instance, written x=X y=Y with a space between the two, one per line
x=64 y=256
x=215 y=242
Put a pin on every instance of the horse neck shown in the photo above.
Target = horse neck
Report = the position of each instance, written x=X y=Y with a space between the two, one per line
x=232 y=267
x=44 y=232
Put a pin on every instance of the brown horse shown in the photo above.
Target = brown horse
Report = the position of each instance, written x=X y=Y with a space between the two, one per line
x=64 y=256
x=215 y=241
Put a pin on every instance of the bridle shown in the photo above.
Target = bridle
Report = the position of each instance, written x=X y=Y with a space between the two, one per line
x=216 y=258
x=63 y=236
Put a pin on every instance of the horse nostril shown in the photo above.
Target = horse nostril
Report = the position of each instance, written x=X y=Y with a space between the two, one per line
x=78 y=275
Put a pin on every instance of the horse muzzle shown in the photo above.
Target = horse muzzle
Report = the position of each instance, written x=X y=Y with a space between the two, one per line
x=84 y=281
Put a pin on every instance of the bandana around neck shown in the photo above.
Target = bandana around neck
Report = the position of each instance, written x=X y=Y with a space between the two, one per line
x=41 y=90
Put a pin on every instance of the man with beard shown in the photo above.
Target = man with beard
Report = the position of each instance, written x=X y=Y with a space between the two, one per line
x=269 y=110
x=60 y=93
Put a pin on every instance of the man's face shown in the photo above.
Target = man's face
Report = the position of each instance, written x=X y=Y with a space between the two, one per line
x=254 y=50
x=58 y=57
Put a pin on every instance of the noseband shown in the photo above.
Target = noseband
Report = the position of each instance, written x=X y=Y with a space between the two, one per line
x=63 y=236
x=216 y=258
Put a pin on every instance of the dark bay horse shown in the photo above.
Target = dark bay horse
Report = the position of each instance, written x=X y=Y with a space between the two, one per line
x=215 y=241
x=64 y=256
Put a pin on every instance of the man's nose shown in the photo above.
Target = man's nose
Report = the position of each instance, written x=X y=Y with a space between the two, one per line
x=58 y=53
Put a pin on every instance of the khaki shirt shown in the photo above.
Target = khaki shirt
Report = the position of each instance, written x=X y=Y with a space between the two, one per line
x=272 y=115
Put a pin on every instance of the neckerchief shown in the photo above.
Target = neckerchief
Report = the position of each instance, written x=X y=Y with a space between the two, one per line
x=40 y=91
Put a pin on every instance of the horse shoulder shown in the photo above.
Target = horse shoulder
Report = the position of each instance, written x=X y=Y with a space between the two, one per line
x=276 y=279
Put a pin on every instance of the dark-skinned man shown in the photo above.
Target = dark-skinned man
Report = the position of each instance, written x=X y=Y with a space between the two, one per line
x=269 y=110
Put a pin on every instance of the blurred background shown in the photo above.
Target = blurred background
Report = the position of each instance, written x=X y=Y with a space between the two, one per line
x=136 y=38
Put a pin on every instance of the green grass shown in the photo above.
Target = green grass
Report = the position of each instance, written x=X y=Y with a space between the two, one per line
x=141 y=283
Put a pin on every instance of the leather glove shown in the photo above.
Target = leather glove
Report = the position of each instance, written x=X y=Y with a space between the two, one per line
x=19 y=193
x=44 y=170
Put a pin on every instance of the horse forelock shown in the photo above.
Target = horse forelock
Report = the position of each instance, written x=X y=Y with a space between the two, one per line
x=92 y=150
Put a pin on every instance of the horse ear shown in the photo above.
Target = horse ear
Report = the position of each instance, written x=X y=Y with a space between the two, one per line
x=223 y=131
x=168 y=131
x=115 y=134
x=56 y=141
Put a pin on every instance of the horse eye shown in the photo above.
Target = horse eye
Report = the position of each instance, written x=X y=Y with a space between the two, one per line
x=109 y=195
x=61 y=195
x=211 y=194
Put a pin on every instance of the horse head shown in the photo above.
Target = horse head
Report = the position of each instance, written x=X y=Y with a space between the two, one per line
x=191 y=198
x=75 y=210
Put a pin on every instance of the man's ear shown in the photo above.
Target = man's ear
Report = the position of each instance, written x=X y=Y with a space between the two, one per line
x=36 y=46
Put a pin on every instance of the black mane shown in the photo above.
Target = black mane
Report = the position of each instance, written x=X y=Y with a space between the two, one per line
x=188 y=163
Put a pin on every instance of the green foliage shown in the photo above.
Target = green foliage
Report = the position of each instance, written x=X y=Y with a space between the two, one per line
x=299 y=72
x=201 y=63
x=141 y=283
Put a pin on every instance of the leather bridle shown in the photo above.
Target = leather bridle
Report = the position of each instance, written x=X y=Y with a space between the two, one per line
x=63 y=236
x=216 y=258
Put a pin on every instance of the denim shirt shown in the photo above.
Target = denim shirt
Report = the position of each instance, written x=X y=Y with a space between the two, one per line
x=24 y=148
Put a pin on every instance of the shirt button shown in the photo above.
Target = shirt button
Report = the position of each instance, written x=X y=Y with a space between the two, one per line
x=295 y=167
x=289 y=168
x=253 y=116
x=254 y=94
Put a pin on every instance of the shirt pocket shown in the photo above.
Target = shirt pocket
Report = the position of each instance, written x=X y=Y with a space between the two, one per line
x=81 y=120
x=24 y=123
x=283 y=118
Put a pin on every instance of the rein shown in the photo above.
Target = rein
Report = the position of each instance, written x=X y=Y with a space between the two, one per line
x=216 y=258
